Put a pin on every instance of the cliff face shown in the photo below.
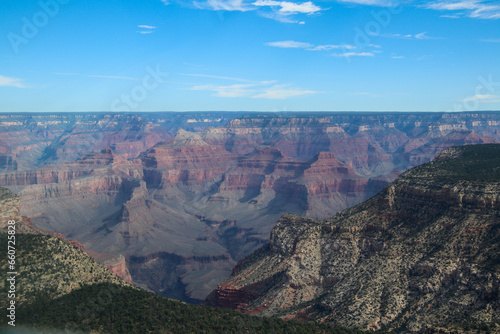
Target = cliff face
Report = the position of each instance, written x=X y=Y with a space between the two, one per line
x=424 y=253
x=139 y=186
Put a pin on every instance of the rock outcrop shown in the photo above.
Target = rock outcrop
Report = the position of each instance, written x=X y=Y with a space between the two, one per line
x=421 y=255
x=208 y=186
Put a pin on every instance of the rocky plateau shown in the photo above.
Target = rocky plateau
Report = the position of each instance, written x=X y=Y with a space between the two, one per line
x=175 y=200
x=421 y=256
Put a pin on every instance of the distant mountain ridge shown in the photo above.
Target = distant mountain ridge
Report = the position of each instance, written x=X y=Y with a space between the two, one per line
x=424 y=254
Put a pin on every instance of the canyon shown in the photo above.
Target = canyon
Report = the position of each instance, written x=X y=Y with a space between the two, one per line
x=421 y=256
x=172 y=201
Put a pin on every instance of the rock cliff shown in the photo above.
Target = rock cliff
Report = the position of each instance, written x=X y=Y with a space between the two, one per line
x=421 y=255
x=184 y=190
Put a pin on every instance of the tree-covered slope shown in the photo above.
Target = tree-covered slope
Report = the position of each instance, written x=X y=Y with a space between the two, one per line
x=109 y=308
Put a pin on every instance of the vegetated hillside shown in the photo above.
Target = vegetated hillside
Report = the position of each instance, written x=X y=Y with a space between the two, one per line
x=108 y=308
x=46 y=266
x=61 y=288
x=174 y=200
x=422 y=254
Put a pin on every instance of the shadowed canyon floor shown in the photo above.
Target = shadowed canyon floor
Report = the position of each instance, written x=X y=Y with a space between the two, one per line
x=175 y=200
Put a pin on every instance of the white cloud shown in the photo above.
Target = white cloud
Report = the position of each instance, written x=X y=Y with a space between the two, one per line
x=281 y=93
x=491 y=40
x=228 y=5
x=471 y=8
x=453 y=5
x=311 y=47
x=451 y=16
x=381 y=3
x=331 y=47
x=228 y=91
x=354 y=54
x=149 y=29
x=256 y=90
x=397 y=57
x=344 y=50
x=165 y=2
x=11 y=82
x=485 y=98
x=421 y=36
x=289 y=7
x=280 y=17
x=282 y=11
x=290 y=44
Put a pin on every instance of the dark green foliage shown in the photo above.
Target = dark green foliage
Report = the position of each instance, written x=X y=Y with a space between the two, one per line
x=474 y=163
x=111 y=308
x=6 y=194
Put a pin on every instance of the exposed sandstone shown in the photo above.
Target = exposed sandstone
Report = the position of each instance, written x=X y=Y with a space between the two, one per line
x=421 y=255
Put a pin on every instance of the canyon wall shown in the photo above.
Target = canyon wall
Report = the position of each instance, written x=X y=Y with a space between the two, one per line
x=422 y=255
x=193 y=193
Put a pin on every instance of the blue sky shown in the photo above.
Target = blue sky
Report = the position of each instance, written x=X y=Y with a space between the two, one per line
x=256 y=55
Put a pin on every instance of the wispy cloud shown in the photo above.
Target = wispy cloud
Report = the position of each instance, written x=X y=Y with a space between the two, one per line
x=238 y=90
x=311 y=47
x=354 y=54
x=228 y=5
x=331 y=47
x=280 y=17
x=470 y=8
x=290 y=45
x=146 y=26
x=421 y=36
x=282 y=11
x=285 y=11
x=281 y=92
x=148 y=29
x=483 y=98
x=256 y=90
x=381 y=3
x=345 y=50
x=289 y=7
x=11 y=82
x=491 y=40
